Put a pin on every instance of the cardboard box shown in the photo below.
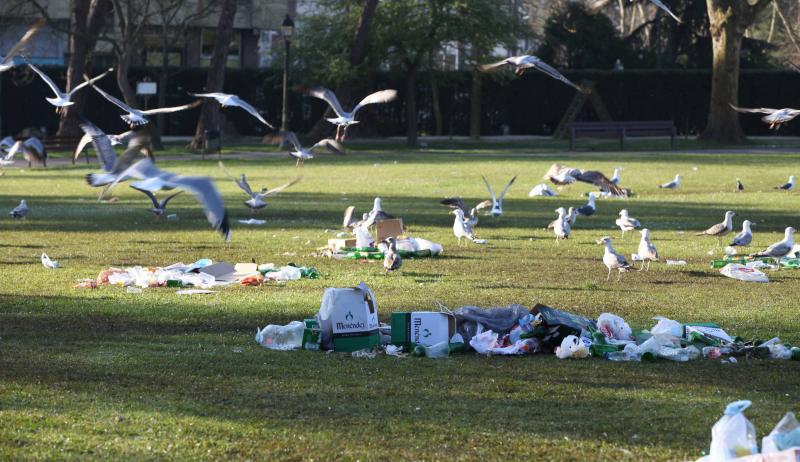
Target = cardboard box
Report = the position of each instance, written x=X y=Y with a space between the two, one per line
x=557 y=324
x=339 y=244
x=352 y=315
x=388 y=228
x=425 y=328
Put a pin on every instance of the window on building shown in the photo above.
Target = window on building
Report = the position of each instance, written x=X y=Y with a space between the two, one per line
x=154 y=49
x=209 y=36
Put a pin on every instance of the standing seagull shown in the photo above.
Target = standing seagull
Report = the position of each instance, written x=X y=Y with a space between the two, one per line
x=647 y=251
x=788 y=186
x=461 y=228
x=392 y=260
x=524 y=62
x=470 y=215
x=774 y=117
x=779 y=249
x=497 y=202
x=720 y=229
x=20 y=211
x=674 y=184
x=589 y=208
x=345 y=119
x=627 y=223
x=256 y=200
x=303 y=154
x=616 y=178
x=739 y=186
x=226 y=99
x=561 y=227
x=136 y=117
x=612 y=259
x=571 y=216
x=744 y=238
x=7 y=61
x=159 y=207
x=63 y=99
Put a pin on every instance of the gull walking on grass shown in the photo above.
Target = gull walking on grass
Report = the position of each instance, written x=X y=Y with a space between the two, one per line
x=589 y=209
x=571 y=217
x=19 y=212
x=674 y=184
x=343 y=118
x=647 y=250
x=720 y=229
x=744 y=238
x=788 y=186
x=612 y=259
x=392 y=260
x=779 y=249
x=561 y=227
x=626 y=222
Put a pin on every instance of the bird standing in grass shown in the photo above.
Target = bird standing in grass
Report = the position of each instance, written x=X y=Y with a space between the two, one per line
x=744 y=238
x=571 y=217
x=612 y=259
x=460 y=227
x=471 y=215
x=674 y=184
x=720 y=229
x=589 y=208
x=788 y=186
x=739 y=186
x=19 y=212
x=561 y=227
x=391 y=259
x=647 y=250
x=779 y=249
x=616 y=178
x=626 y=222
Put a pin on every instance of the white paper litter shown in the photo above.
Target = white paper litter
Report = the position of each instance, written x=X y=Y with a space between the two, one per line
x=195 y=292
x=252 y=221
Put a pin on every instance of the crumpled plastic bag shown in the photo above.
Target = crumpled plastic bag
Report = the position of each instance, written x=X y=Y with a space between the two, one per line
x=733 y=435
x=572 y=347
x=743 y=273
x=784 y=436
x=613 y=326
x=500 y=320
x=666 y=326
x=285 y=273
x=486 y=343
x=542 y=190
x=288 y=337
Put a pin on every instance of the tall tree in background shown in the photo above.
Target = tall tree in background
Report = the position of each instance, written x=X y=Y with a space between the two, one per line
x=728 y=21
x=209 y=116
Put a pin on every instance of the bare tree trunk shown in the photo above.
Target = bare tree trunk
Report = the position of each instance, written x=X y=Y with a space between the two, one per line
x=411 y=105
x=89 y=20
x=437 y=106
x=209 y=116
x=125 y=87
x=475 y=105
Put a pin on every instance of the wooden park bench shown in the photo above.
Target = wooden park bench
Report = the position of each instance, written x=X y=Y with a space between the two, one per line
x=622 y=130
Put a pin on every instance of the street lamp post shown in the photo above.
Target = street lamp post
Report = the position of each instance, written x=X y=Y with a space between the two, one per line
x=287 y=28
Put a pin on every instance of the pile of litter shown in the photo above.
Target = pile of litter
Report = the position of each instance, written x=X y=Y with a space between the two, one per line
x=203 y=274
x=348 y=321
x=749 y=269
x=733 y=438
x=364 y=247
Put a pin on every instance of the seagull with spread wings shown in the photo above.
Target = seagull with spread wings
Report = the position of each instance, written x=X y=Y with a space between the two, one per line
x=227 y=99
x=256 y=200
x=114 y=167
x=302 y=154
x=561 y=175
x=7 y=61
x=470 y=214
x=497 y=201
x=343 y=118
x=136 y=117
x=774 y=117
x=126 y=137
x=159 y=206
x=522 y=63
x=32 y=150
x=62 y=99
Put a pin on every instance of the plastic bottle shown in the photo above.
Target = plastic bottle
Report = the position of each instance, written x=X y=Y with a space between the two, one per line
x=674 y=354
x=621 y=356
x=286 y=337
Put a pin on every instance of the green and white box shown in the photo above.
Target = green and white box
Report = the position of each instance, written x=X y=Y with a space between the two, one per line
x=352 y=315
x=425 y=328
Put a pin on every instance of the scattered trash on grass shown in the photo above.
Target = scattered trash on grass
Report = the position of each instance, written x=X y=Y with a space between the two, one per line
x=253 y=222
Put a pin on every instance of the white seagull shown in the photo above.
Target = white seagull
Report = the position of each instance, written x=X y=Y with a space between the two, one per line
x=136 y=117
x=779 y=249
x=571 y=216
x=470 y=214
x=647 y=251
x=561 y=227
x=159 y=207
x=113 y=167
x=788 y=186
x=302 y=154
x=589 y=208
x=674 y=184
x=256 y=199
x=116 y=140
x=32 y=150
x=7 y=61
x=612 y=259
x=497 y=202
x=626 y=222
x=227 y=99
x=461 y=228
x=63 y=99
x=345 y=119
x=616 y=178
x=774 y=117
x=720 y=229
x=524 y=62
x=20 y=211
x=562 y=175
x=391 y=259
x=744 y=238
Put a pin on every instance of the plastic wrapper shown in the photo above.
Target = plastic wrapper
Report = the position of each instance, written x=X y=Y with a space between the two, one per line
x=666 y=326
x=499 y=320
x=785 y=435
x=572 y=347
x=743 y=273
x=275 y=337
x=733 y=435
x=613 y=326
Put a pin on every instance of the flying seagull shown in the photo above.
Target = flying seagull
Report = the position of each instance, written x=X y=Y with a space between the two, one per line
x=774 y=117
x=589 y=208
x=561 y=227
x=664 y=7
x=461 y=228
x=497 y=202
x=470 y=214
x=136 y=117
x=7 y=61
x=562 y=176
x=345 y=119
x=159 y=207
x=647 y=251
x=256 y=200
x=303 y=154
x=116 y=140
x=627 y=223
x=612 y=259
x=788 y=186
x=522 y=63
x=779 y=249
x=674 y=184
x=63 y=99
x=20 y=211
x=739 y=186
x=720 y=229
x=201 y=187
x=227 y=99
x=744 y=238
x=113 y=167
x=392 y=260
x=32 y=150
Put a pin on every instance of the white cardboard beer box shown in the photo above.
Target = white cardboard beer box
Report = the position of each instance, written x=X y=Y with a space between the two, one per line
x=425 y=328
x=352 y=315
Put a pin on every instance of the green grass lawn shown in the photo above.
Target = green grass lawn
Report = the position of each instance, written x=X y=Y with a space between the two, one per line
x=103 y=374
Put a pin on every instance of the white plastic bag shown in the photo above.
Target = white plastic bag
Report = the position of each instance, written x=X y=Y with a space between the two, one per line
x=784 y=436
x=666 y=326
x=483 y=341
x=613 y=326
x=572 y=347
x=286 y=273
x=733 y=435
x=542 y=190
x=275 y=337
x=743 y=273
